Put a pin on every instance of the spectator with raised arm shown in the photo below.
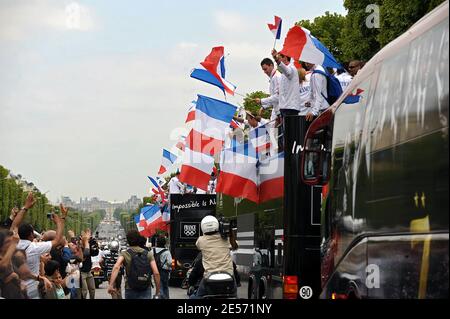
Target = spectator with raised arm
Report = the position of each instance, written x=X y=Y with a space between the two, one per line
x=34 y=250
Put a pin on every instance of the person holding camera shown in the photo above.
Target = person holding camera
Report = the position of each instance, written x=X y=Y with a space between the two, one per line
x=34 y=250
x=215 y=249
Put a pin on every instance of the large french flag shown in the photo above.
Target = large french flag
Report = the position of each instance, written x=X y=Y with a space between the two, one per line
x=153 y=217
x=301 y=45
x=238 y=176
x=167 y=161
x=191 y=112
x=214 y=65
x=212 y=118
x=260 y=139
x=276 y=27
x=271 y=178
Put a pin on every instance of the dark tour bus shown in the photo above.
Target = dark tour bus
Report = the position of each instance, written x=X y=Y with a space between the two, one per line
x=279 y=239
x=383 y=162
x=186 y=213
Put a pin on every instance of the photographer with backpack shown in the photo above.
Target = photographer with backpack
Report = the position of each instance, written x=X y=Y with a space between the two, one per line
x=163 y=260
x=139 y=266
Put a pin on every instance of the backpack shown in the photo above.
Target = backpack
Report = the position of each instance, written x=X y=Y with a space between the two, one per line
x=334 y=88
x=139 y=274
x=157 y=256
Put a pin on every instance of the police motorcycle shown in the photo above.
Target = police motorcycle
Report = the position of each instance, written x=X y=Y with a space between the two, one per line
x=217 y=285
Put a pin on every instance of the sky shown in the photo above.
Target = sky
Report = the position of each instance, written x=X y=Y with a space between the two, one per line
x=92 y=91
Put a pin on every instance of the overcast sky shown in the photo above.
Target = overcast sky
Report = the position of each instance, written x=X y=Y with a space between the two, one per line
x=91 y=91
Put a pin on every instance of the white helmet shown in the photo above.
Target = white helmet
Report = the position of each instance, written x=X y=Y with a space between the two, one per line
x=209 y=224
x=114 y=245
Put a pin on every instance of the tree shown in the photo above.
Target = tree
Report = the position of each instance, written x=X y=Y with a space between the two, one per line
x=252 y=106
x=397 y=16
x=359 y=38
x=328 y=30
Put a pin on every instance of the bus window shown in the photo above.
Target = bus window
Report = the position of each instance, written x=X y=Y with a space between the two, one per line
x=387 y=101
x=425 y=99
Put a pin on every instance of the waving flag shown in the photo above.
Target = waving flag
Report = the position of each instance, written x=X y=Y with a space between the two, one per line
x=238 y=176
x=260 y=139
x=271 y=178
x=157 y=183
x=141 y=224
x=235 y=124
x=276 y=28
x=191 y=112
x=154 y=219
x=212 y=117
x=167 y=161
x=214 y=72
x=301 y=45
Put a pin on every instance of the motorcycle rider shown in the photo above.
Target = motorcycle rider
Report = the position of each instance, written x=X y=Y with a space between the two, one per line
x=215 y=255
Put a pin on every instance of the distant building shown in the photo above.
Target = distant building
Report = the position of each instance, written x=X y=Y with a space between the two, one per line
x=93 y=204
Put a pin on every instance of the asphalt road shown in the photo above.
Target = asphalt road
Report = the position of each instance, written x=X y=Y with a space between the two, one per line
x=175 y=293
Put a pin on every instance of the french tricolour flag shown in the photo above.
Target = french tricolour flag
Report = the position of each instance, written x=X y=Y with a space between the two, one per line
x=141 y=223
x=260 y=139
x=271 y=178
x=155 y=219
x=167 y=161
x=238 y=177
x=212 y=118
x=214 y=63
x=301 y=45
x=234 y=124
x=157 y=181
x=276 y=27
x=191 y=112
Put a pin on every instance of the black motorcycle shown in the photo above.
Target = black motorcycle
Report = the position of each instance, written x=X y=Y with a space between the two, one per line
x=217 y=285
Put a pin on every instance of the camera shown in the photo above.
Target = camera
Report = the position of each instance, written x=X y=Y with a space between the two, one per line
x=49 y=216
x=226 y=226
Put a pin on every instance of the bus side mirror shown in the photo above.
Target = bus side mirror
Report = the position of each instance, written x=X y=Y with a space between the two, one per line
x=316 y=156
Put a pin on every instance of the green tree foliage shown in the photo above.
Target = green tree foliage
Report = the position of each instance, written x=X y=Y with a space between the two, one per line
x=12 y=194
x=357 y=35
x=127 y=221
x=399 y=15
x=252 y=106
x=358 y=40
x=328 y=29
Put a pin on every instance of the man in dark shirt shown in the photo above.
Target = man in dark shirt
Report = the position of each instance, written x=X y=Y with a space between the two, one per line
x=87 y=279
